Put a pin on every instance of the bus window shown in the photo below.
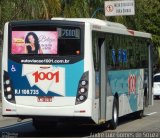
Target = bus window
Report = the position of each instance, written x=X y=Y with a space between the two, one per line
x=57 y=41
x=95 y=51
x=109 y=47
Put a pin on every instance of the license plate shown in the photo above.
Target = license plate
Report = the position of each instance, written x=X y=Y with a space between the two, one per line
x=44 y=99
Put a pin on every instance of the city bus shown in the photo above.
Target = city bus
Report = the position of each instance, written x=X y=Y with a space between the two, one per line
x=80 y=70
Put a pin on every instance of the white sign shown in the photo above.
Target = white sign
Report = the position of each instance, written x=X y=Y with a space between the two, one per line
x=46 y=77
x=121 y=7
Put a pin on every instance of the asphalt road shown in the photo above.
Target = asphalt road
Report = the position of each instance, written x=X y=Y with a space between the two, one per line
x=129 y=126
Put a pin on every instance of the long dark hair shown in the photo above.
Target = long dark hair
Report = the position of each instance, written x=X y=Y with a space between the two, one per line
x=37 y=46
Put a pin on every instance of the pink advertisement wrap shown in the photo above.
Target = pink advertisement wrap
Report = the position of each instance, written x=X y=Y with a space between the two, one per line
x=34 y=42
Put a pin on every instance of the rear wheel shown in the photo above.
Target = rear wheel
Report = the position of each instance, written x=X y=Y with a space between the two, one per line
x=114 y=121
x=139 y=114
x=156 y=97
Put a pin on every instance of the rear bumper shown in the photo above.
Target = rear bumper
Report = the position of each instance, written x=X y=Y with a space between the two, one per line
x=156 y=92
x=10 y=109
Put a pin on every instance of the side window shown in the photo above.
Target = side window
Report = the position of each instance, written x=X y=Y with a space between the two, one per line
x=121 y=52
x=116 y=51
x=126 y=52
x=116 y=47
x=138 y=52
x=131 y=55
x=110 y=51
x=95 y=50
x=143 y=52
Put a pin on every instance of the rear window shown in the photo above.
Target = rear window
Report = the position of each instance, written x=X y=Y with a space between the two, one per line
x=156 y=78
x=60 y=41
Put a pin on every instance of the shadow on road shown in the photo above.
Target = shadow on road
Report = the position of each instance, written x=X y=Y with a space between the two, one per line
x=67 y=130
x=62 y=130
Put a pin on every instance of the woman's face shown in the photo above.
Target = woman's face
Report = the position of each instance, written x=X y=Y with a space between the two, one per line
x=31 y=39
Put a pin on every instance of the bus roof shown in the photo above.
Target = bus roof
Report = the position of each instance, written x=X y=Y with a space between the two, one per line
x=100 y=25
x=93 y=21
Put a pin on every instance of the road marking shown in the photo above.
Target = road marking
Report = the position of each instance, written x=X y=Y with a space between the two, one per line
x=16 y=125
x=151 y=113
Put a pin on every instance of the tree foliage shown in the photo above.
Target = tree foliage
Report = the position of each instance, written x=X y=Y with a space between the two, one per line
x=147 y=17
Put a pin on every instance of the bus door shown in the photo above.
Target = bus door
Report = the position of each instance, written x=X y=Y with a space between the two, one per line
x=99 y=55
x=102 y=78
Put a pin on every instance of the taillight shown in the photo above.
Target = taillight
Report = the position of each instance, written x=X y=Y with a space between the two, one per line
x=82 y=92
x=8 y=89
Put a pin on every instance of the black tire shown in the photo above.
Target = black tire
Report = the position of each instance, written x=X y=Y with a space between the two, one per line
x=156 y=97
x=139 y=114
x=114 y=121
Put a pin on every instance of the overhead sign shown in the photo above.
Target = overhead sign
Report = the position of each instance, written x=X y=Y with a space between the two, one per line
x=121 y=7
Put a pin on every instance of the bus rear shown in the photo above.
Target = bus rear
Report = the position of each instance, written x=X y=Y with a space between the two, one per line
x=43 y=70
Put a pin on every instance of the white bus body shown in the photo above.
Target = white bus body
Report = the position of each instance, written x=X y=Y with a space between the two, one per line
x=80 y=84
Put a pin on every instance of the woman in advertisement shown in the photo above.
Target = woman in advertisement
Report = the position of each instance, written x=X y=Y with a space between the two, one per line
x=32 y=44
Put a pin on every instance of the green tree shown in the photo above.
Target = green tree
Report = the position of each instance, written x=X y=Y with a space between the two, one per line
x=28 y=9
x=96 y=7
x=76 y=9
x=147 y=19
